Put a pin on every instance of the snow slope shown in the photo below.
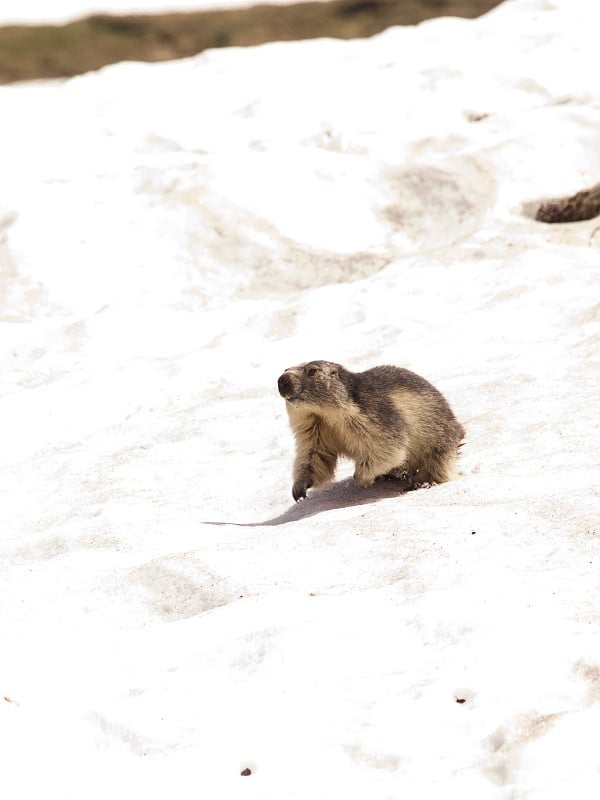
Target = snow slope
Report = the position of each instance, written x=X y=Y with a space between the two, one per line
x=172 y=236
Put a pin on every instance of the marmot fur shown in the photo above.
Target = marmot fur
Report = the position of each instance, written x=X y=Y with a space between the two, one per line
x=389 y=421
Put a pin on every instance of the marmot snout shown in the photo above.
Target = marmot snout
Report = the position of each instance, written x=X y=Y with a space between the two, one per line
x=389 y=421
x=312 y=384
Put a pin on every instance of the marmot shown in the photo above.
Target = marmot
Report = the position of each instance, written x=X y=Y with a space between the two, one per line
x=391 y=422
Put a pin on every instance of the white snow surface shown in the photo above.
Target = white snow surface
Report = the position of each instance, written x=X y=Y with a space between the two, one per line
x=172 y=236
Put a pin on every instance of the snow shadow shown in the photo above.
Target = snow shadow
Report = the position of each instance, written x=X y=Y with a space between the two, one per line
x=341 y=494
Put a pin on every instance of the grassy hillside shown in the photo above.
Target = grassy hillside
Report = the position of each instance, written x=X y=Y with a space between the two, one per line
x=48 y=51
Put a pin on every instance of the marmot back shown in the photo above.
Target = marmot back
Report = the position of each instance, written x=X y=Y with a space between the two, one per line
x=391 y=422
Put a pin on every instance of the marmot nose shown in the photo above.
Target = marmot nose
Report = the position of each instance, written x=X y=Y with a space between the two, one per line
x=284 y=384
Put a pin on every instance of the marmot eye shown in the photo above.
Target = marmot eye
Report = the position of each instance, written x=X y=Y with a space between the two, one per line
x=312 y=371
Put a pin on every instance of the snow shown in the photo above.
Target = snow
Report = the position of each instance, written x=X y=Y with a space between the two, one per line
x=172 y=236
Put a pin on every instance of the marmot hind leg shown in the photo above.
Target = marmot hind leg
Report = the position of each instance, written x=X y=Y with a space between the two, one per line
x=407 y=479
x=364 y=475
x=438 y=466
x=367 y=472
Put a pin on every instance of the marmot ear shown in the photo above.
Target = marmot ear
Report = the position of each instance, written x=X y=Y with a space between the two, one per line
x=333 y=371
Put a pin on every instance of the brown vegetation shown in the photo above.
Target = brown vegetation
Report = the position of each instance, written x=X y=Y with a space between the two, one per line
x=51 y=51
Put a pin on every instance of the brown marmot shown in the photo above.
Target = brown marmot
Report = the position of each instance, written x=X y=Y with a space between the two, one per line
x=389 y=421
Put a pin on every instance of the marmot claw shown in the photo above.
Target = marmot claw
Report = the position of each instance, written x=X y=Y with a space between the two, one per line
x=299 y=490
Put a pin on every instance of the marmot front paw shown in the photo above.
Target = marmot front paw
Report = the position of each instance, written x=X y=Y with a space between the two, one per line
x=299 y=490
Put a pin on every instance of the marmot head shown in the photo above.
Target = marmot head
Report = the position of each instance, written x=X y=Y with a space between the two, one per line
x=313 y=385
